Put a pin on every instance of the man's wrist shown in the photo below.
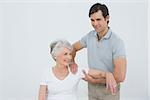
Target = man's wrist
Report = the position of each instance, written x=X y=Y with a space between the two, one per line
x=103 y=75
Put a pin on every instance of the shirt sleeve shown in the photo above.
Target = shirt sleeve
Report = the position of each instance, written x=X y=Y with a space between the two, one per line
x=119 y=49
x=83 y=41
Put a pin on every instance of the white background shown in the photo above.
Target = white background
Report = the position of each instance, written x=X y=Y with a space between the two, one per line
x=28 y=27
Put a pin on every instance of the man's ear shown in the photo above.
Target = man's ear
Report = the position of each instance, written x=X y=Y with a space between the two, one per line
x=107 y=18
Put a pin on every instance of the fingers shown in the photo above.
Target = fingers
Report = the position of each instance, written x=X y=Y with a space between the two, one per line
x=111 y=84
x=73 y=68
x=85 y=75
x=84 y=72
x=88 y=77
x=112 y=88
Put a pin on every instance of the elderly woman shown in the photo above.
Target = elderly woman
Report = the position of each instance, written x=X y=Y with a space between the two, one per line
x=58 y=83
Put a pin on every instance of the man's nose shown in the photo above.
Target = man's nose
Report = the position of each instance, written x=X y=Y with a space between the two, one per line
x=95 y=23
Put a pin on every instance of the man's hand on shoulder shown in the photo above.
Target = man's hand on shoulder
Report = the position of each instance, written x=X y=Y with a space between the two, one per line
x=73 y=67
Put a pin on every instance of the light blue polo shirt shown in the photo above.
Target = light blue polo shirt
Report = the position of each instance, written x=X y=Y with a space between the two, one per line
x=101 y=53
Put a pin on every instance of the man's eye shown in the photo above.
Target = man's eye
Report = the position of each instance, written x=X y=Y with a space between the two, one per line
x=98 y=19
x=92 y=20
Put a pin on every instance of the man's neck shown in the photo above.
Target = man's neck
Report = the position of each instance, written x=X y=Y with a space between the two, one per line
x=102 y=34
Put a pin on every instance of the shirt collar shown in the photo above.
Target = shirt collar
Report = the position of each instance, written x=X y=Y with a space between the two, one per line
x=107 y=36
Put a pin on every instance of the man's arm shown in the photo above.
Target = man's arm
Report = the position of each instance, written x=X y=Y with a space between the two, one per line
x=97 y=76
x=119 y=69
x=76 y=47
x=94 y=76
x=119 y=73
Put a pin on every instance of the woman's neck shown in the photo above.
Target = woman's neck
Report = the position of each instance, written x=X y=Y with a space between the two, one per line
x=61 y=67
x=60 y=72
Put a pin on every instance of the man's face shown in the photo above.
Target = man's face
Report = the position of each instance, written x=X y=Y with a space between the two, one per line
x=98 y=22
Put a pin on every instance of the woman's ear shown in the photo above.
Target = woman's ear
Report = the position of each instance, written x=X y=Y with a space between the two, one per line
x=55 y=57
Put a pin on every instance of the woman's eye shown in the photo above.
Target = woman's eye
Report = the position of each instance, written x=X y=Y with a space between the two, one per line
x=65 y=53
x=70 y=54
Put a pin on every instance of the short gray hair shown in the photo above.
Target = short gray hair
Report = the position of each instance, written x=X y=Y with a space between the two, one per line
x=56 y=47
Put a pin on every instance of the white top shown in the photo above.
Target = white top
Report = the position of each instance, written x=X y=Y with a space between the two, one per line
x=65 y=89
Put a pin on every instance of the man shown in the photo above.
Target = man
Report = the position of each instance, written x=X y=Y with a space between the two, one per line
x=105 y=51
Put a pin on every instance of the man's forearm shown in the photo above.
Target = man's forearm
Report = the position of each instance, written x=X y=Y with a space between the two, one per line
x=98 y=77
x=119 y=69
x=97 y=74
x=73 y=55
x=76 y=47
x=100 y=81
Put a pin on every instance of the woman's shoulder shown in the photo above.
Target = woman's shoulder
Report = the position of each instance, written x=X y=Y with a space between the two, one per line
x=46 y=71
x=81 y=71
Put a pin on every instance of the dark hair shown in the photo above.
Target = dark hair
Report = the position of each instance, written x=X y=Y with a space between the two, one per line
x=98 y=6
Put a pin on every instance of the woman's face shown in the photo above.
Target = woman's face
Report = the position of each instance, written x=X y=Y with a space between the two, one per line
x=64 y=57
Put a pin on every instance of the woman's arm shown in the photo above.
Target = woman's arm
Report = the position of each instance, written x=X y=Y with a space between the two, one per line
x=42 y=92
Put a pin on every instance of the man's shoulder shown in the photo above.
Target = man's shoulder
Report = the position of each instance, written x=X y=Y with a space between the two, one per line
x=115 y=37
x=91 y=33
